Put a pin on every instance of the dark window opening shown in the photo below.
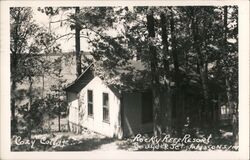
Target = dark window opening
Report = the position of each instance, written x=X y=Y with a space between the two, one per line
x=147 y=107
x=105 y=98
x=90 y=103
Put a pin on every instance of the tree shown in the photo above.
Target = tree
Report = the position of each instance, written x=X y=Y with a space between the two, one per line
x=167 y=113
x=183 y=45
x=21 y=29
x=58 y=99
x=30 y=45
x=199 y=29
x=77 y=23
x=154 y=73
x=190 y=47
x=229 y=77
x=77 y=42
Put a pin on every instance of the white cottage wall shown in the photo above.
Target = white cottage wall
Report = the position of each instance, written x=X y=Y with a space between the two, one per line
x=73 y=111
x=95 y=122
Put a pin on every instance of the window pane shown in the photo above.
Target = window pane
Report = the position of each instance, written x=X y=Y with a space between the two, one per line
x=90 y=109
x=90 y=96
x=106 y=114
x=90 y=102
x=105 y=99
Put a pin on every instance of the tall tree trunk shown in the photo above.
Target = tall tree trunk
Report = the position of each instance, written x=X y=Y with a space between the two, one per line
x=29 y=127
x=155 y=76
x=77 y=42
x=202 y=65
x=167 y=116
x=174 y=51
x=14 y=129
x=165 y=45
x=13 y=109
x=13 y=79
x=59 y=117
x=231 y=106
x=176 y=107
x=43 y=84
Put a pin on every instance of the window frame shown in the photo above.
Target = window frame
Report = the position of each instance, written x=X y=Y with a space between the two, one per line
x=90 y=103
x=107 y=107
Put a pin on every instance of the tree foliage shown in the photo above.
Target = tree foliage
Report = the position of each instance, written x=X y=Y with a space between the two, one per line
x=193 y=48
x=30 y=46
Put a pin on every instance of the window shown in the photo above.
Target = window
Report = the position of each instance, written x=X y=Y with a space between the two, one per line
x=105 y=102
x=147 y=107
x=223 y=110
x=90 y=103
x=226 y=112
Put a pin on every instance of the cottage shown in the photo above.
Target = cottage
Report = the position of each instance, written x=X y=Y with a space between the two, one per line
x=118 y=112
x=107 y=110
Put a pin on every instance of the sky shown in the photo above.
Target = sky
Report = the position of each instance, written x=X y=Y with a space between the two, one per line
x=67 y=43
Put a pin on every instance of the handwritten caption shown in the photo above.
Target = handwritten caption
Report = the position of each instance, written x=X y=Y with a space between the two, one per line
x=179 y=143
x=18 y=140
